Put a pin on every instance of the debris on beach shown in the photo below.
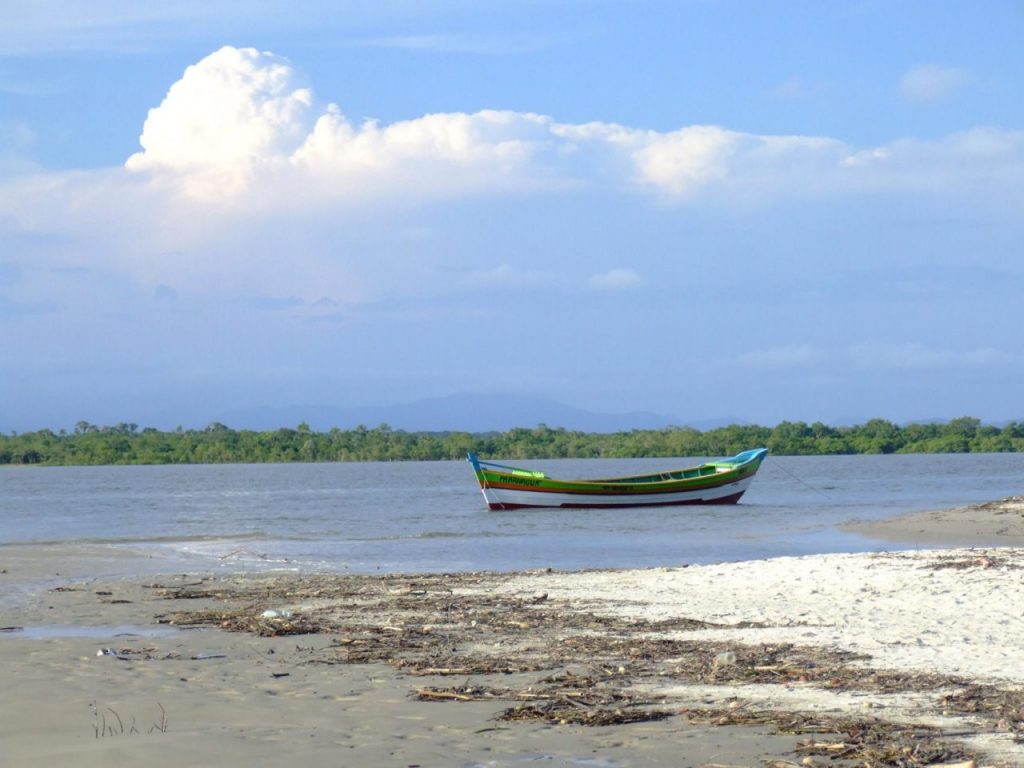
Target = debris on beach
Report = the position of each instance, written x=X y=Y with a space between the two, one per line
x=560 y=700
x=124 y=654
x=572 y=713
x=980 y=560
x=863 y=741
x=244 y=620
x=1003 y=710
x=556 y=662
x=1008 y=505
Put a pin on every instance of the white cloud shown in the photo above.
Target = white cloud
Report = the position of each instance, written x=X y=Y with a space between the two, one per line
x=687 y=159
x=930 y=84
x=234 y=110
x=433 y=155
x=241 y=122
x=244 y=178
x=975 y=159
x=616 y=279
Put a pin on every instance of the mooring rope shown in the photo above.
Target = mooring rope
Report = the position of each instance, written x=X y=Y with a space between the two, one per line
x=775 y=463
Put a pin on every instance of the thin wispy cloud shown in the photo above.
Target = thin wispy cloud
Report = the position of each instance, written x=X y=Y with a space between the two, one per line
x=505 y=275
x=917 y=356
x=781 y=358
x=931 y=84
x=16 y=134
x=794 y=89
x=15 y=84
x=504 y=45
x=616 y=280
x=12 y=308
x=882 y=358
x=48 y=26
x=44 y=27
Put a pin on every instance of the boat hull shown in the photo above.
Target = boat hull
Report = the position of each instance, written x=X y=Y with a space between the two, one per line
x=506 y=498
x=721 y=482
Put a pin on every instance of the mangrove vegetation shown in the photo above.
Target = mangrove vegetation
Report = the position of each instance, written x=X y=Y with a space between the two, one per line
x=89 y=444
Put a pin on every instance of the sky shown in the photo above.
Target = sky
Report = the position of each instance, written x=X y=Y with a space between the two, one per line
x=709 y=209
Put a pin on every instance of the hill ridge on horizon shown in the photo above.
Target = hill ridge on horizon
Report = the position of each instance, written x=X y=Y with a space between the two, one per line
x=468 y=412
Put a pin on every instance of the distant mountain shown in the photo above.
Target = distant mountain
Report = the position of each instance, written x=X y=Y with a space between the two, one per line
x=456 y=413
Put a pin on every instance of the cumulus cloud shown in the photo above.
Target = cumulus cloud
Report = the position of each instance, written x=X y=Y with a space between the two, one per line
x=243 y=124
x=930 y=83
x=686 y=159
x=240 y=119
x=234 y=110
x=245 y=177
x=434 y=155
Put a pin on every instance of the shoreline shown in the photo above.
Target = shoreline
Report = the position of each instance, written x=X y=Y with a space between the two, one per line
x=998 y=523
x=415 y=669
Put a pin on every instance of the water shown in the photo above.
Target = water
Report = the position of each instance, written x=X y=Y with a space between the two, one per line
x=430 y=516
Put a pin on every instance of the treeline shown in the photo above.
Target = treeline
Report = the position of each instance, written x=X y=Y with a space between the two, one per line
x=217 y=444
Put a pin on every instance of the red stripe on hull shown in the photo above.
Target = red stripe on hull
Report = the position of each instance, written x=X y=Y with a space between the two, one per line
x=731 y=499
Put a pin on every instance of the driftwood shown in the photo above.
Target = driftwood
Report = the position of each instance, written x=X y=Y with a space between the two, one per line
x=582 y=668
x=1002 y=710
x=863 y=741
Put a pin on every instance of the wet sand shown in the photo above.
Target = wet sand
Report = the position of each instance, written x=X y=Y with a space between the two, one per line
x=992 y=524
x=418 y=671
x=167 y=695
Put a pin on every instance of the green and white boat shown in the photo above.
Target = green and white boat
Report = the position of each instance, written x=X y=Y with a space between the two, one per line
x=716 y=482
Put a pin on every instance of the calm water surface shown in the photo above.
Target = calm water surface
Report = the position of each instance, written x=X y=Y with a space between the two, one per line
x=430 y=516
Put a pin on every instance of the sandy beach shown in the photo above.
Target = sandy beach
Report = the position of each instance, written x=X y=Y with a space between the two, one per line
x=997 y=523
x=907 y=657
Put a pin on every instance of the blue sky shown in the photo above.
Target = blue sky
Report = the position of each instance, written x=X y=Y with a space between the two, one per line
x=755 y=211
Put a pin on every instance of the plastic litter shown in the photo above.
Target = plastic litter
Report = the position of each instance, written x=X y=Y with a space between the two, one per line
x=272 y=614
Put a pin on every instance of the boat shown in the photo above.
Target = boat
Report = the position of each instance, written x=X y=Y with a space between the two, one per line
x=716 y=482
